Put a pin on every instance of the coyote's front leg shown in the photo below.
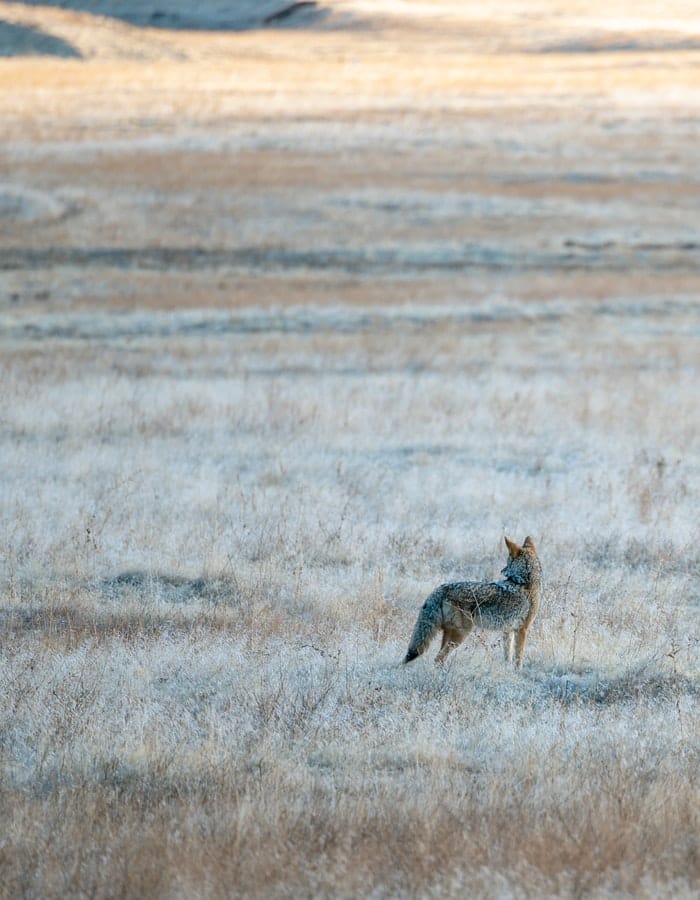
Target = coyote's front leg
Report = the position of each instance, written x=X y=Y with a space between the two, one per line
x=520 y=638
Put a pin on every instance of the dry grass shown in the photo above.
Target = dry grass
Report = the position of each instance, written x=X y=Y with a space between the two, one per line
x=437 y=152
x=214 y=553
x=295 y=325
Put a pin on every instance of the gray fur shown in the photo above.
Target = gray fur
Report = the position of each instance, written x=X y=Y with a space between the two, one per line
x=508 y=606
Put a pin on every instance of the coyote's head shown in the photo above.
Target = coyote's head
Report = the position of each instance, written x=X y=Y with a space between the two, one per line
x=523 y=566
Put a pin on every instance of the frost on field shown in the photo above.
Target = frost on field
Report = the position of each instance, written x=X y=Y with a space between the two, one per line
x=213 y=560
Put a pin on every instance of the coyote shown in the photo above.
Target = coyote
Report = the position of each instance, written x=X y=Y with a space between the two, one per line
x=508 y=606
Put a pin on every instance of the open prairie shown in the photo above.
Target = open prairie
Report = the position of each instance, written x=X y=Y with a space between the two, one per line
x=302 y=309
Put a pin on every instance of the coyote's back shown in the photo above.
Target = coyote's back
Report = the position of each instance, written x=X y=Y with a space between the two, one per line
x=508 y=606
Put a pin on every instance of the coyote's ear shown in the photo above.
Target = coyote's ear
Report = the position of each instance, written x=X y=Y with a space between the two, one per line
x=513 y=548
x=529 y=543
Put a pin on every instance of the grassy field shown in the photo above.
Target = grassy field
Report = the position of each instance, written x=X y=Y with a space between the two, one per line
x=216 y=543
x=294 y=325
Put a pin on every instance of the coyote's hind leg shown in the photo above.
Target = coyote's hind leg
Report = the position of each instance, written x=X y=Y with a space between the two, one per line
x=451 y=638
x=508 y=645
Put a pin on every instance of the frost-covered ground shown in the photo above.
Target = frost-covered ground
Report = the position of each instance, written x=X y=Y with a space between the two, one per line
x=217 y=530
x=297 y=321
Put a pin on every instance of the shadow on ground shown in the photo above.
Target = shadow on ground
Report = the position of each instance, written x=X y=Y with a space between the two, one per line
x=21 y=40
x=168 y=588
x=621 y=43
x=239 y=15
x=642 y=682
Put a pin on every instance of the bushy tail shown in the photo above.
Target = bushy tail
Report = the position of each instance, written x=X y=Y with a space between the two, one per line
x=428 y=622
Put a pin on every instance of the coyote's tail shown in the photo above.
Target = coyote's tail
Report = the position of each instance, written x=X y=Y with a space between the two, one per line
x=428 y=622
